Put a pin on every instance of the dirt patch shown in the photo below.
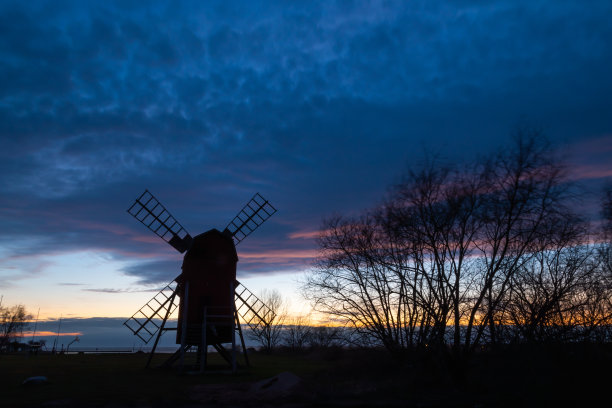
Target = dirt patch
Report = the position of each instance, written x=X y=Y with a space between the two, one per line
x=282 y=390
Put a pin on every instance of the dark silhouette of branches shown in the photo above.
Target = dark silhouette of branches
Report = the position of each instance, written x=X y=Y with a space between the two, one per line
x=468 y=256
x=607 y=213
x=269 y=333
x=326 y=336
x=298 y=330
x=526 y=190
x=547 y=293
x=13 y=320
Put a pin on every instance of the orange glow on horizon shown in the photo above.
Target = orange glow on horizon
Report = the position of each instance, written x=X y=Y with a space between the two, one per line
x=49 y=334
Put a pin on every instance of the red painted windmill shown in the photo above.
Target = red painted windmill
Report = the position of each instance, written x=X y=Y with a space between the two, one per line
x=212 y=302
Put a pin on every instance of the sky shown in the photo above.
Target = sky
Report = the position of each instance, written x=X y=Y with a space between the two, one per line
x=317 y=105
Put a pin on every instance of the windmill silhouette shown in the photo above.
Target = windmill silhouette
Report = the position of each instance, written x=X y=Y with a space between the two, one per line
x=212 y=302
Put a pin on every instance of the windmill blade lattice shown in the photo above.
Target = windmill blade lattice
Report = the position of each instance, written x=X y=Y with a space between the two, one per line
x=252 y=215
x=253 y=311
x=149 y=211
x=146 y=322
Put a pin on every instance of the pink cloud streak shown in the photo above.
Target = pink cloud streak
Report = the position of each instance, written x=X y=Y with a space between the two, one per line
x=281 y=254
x=304 y=234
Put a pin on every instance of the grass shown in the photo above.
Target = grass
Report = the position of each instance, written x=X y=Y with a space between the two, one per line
x=543 y=376
x=96 y=379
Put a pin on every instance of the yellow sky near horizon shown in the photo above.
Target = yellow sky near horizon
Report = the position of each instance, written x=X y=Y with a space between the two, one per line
x=102 y=290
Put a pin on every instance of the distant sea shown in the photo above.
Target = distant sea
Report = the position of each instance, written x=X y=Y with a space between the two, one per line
x=102 y=334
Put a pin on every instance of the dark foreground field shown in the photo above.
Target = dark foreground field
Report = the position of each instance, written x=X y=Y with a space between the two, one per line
x=545 y=376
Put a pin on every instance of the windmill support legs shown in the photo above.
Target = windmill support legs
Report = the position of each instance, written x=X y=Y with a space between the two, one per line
x=239 y=328
x=232 y=292
x=161 y=329
x=185 y=301
x=233 y=351
x=211 y=323
x=203 y=345
x=177 y=355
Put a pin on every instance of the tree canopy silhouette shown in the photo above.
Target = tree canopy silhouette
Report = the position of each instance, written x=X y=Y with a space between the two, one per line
x=466 y=255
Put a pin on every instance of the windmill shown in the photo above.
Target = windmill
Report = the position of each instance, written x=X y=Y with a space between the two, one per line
x=211 y=302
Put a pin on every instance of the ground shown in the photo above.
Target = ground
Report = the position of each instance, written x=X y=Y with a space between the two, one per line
x=542 y=376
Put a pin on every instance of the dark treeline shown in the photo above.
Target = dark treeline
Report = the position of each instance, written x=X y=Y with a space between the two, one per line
x=471 y=255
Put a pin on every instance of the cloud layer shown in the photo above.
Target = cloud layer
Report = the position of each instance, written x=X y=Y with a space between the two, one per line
x=317 y=105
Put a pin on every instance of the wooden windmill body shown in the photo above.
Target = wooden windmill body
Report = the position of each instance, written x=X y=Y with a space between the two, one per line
x=212 y=304
x=209 y=268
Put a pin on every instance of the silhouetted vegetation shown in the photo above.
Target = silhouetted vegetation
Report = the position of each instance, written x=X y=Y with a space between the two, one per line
x=297 y=333
x=461 y=257
x=269 y=330
x=13 y=321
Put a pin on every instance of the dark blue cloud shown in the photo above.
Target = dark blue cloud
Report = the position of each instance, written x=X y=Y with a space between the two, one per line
x=154 y=271
x=317 y=105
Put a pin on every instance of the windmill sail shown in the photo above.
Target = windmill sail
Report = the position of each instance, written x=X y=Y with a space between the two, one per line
x=252 y=215
x=252 y=310
x=147 y=321
x=149 y=211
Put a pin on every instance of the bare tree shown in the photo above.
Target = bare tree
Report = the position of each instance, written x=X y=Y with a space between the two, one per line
x=298 y=330
x=13 y=320
x=396 y=272
x=527 y=188
x=435 y=212
x=607 y=213
x=597 y=311
x=326 y=336
x=605 y=252
x=547 y=292
x=352 y=282
x=269 y=332
x=594 y=312
x=447 y=247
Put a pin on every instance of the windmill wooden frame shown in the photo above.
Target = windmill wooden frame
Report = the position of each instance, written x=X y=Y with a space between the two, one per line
x=210 y=300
